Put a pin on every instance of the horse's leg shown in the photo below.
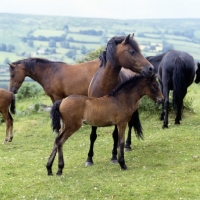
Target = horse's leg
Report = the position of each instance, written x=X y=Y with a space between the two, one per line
x=179 y=112
x=163 y=109
x=114 y=151
x=162 y=112
x=166 y=106
x=93 y=137
x=121 y=138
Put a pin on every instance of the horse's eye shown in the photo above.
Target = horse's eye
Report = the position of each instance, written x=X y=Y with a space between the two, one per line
x=154 y=86
x=131 y=52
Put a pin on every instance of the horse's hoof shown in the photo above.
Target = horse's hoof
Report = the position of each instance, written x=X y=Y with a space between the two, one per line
x=87 y=164
x=178 y=123
x=165 y=126
x=127 y=148
x=59 y=173
x=114 y=161
x=124 y=167
x=50 y=174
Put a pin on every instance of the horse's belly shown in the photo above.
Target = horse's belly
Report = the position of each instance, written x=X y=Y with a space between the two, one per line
x=98 y=122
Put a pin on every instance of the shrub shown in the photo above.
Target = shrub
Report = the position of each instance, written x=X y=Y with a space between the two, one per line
x=29 y=90
x=91 y=55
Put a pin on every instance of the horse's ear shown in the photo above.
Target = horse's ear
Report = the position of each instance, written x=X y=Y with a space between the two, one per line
x=126 y=41
x=132 y=36
x=11 y=65
x=198 y=64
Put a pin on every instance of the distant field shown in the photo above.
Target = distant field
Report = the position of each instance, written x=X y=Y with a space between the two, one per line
x=48 y=33
x=84 y=38
x=76 y=29
x=14 y=27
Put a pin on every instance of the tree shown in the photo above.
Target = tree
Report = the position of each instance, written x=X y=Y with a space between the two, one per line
x=2 y=47
x=64 y=44
x=71 y=53
x=30 y=43
x=52 y=43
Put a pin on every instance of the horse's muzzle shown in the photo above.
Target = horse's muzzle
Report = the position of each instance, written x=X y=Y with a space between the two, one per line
x=149 y=71
x=160 y=100
x=13 y=90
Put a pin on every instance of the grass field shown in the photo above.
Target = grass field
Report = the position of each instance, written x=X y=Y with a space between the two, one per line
x=165 y=165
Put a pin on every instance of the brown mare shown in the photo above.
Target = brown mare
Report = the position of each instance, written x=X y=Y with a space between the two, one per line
x=113 y=109
x=58 y=79
x=7 y=102
x=120 y=51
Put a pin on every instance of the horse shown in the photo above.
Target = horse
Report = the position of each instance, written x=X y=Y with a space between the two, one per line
x=58 y=79
x=197 y=78
x=176 y=71
x=120 y=51
x=7 y=106
x=113 y=109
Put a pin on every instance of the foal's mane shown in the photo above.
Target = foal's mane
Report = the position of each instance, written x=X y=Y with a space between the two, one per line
x=109 y=53
x=30 y=63
x=131 y=82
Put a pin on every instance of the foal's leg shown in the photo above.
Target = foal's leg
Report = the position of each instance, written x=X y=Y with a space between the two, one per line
x=51 y=158
x=93 y=137
x=10 y=126
x=114 y=151
x=121 y=137
x=5 y=117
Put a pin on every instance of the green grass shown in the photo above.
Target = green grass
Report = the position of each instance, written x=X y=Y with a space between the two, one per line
x=165 y=165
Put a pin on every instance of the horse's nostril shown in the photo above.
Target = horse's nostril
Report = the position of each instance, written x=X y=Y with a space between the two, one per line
x=150 y=69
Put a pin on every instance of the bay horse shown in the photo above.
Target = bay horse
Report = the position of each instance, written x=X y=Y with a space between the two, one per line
x=58 y=79
x=120 y=51
x=113 y=109
x=197 y=78
x=176 y=71
x=7 y=106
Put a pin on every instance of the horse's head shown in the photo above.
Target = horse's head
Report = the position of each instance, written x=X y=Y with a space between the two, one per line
x=128 y=55
x=153 y=90
x=17 y=75
x=197 y=79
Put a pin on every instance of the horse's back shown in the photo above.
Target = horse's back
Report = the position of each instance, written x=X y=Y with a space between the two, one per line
x=73 y=79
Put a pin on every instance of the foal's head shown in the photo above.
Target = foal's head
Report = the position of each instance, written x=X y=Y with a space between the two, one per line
x=125 y=52
x=151 y=88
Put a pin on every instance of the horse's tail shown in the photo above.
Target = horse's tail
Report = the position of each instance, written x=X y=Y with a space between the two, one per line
x=56 y=116
x=12 y=105
x=179 y=82
x=137 y=125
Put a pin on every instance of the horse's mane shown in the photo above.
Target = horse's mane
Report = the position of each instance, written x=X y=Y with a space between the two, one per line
x=131 y=82
x=109 y=53
x=30 y=63
x=156 y=57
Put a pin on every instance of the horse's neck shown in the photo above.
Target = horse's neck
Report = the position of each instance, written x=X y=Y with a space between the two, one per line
x=105 y=80
x=132 y=97
x=39 y=74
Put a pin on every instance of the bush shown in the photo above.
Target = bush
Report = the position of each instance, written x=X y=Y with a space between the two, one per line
x=91 y=55
x=29 y=90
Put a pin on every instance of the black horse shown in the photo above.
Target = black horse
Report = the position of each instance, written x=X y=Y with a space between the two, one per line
x=197 y=79
x=176 y=71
